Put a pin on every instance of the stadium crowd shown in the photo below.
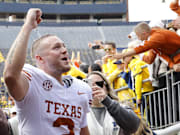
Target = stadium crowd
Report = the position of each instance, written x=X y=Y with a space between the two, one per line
x=118 y=80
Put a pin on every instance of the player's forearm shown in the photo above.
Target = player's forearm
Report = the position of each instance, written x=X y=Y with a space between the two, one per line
x=17 y=54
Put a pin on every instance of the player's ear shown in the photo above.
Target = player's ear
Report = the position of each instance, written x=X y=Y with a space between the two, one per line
x=39 y=58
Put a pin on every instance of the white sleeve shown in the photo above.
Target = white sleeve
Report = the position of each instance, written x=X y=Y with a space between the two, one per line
x=89 y=97
x=31 y=94
x=87 y=105
x=84 y=121
x=86 y=89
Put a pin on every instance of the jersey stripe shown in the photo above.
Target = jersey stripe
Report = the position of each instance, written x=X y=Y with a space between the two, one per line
x=27 y=75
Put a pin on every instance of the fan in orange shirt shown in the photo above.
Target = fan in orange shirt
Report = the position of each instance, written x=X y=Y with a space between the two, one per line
x=163 y=42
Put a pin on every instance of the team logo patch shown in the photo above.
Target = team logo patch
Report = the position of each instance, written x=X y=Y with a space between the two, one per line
x=47 y=85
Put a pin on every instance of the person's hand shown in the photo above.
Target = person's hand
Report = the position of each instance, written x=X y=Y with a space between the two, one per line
x=90 y=45
x=105 y=58
x=98 y=93
x=118 y=56
x=33 y=18
x=176 y=67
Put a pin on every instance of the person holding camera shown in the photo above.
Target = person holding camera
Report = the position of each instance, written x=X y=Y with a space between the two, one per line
x=107 y=116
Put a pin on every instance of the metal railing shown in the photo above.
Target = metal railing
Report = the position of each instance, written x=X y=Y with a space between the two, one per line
x=162 y=106
x=163 y=109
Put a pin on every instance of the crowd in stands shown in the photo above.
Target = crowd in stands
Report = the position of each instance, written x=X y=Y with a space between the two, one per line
x=136 y=69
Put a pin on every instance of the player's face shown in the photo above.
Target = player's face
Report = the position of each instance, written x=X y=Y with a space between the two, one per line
x=55 y=55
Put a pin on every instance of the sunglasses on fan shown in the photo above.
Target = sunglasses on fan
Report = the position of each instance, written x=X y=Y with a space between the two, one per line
x=98 y=83
x=107 y=49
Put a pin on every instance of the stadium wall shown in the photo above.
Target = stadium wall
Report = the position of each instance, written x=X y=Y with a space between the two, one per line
x=65 y=9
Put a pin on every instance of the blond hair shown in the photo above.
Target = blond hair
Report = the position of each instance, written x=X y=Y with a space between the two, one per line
x=142 y=27
x=36 y=44
x=143 y=128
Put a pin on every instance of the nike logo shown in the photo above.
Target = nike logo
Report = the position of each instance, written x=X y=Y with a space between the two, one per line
x=81 y=93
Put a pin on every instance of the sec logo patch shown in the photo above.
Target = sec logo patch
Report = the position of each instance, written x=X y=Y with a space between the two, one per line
x=47 y=85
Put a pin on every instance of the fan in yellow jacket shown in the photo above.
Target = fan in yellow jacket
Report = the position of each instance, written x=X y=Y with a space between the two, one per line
x=75 y=72
x=109 y=67
x=117 y=81
x=139 y=74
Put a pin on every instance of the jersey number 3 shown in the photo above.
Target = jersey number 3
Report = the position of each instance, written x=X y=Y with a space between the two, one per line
x=65 y=121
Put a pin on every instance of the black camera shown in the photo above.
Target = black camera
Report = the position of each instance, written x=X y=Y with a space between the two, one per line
x=96 y=47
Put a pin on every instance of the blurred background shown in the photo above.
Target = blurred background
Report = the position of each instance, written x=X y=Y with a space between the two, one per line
x=79 y=22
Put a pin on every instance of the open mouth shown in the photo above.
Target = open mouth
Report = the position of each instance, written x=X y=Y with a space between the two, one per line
x=65 y=59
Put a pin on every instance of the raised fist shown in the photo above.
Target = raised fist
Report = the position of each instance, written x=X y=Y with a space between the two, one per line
x=33 y=17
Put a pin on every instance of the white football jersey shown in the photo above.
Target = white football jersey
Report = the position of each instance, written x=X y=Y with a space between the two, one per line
x=50 y=108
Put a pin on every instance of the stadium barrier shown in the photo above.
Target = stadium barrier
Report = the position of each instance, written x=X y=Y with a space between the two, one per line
x=161 y=108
